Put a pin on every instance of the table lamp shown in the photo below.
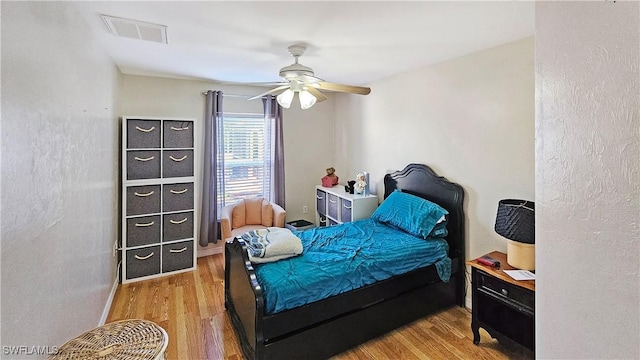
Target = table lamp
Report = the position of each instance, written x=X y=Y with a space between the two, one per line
x=516 y=222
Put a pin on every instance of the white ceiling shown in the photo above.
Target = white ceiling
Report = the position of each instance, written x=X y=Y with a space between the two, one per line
x=347 y=42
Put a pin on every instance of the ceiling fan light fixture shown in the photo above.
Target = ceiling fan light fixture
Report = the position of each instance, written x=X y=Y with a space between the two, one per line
x=285 y=98
x=307 y=99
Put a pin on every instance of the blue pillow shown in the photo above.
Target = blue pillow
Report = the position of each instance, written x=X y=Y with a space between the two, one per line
x=412 y=214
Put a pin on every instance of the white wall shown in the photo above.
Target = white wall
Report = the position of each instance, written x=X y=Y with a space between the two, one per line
x=59 y=175
x=471 y=119
x=308 y=134
x=588 y=180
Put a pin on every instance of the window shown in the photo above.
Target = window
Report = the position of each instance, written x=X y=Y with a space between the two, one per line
x=245 y=157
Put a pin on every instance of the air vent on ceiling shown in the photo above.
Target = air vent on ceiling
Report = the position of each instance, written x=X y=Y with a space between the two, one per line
x=136 y=29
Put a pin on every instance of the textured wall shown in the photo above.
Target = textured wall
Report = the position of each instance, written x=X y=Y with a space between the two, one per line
x=588 y=180
x=470 y=118
x=59 y=175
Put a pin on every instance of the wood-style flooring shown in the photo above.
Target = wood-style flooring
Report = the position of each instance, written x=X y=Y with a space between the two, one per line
x=190 y=307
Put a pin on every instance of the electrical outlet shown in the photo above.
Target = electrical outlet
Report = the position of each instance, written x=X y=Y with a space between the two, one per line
x=305 y=209
x=115 y=248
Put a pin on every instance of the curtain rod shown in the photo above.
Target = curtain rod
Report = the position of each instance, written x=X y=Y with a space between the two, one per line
x=204 y=93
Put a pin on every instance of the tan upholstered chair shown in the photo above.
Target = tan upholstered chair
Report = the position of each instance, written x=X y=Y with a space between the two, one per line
x=250 y=214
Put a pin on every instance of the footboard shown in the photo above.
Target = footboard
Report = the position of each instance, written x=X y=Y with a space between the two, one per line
x=243 y=299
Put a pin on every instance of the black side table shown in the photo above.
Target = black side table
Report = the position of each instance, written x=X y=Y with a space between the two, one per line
x=504 y=307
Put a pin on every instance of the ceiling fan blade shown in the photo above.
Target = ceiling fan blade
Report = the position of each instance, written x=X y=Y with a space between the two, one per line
x=308 y=79
x=272 y=91
x=343 y=88
x=315 y=92
x=267 y=83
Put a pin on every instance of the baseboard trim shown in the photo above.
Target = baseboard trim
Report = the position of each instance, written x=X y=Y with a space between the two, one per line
x=210 y=250
x=112 y=294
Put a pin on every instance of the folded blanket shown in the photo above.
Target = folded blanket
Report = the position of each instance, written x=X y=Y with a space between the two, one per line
x=271 y=244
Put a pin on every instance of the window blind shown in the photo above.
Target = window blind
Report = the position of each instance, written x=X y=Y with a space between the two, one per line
x=246 y=157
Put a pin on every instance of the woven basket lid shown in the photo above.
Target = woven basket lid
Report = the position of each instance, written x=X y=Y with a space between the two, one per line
x=121 y=340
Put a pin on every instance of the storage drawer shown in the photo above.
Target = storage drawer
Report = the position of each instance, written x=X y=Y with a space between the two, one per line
x=177 y=256
x=333 y=204
x=321 y=202
x=177 y=197
x=143 y=262
x=177 y=163
x=143 y=231
x=143 y=164
x=178 y=134
x=177 y=226
x=143 y=200
x=143 y=134
x=345 y=210
x=506 y=291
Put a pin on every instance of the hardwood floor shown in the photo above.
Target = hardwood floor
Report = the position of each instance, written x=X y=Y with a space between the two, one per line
x=190 y=307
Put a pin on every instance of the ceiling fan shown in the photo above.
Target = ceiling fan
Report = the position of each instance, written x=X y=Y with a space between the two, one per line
x=301 y=80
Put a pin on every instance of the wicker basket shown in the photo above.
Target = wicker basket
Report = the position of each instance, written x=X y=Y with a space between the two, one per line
x=121 y=340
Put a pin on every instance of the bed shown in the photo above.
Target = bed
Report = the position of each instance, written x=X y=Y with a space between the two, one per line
x=322 y=328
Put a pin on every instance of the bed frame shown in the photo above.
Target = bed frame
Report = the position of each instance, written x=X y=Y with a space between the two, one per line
x=330 y=326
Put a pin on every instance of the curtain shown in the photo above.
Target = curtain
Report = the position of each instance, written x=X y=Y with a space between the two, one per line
x=273 y=114
x=209 y=229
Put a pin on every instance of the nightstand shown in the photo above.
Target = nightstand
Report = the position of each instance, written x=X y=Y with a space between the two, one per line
x=504 y=307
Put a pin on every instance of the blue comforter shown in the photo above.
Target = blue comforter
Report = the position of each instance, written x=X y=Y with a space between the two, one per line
x=340 y=258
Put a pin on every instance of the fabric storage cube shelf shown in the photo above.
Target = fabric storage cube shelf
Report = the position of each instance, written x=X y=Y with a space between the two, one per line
x=143 y=134
x=143 y=262
x=177 y=256
x=143 y=164
x=143 y=230
x=178 y=134
x=176 y=197
x=142 y=199
x=177 y=163
x=158 y=232
x=177 y=226
x=335 y=206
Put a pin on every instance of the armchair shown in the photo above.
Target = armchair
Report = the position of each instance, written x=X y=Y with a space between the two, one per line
x=250 y=214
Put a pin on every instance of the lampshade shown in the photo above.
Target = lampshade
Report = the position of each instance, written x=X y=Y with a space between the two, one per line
x=285 y=98
x=306 y=99
x=516 y=221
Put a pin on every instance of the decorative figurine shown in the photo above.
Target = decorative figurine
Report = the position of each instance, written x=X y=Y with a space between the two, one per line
x=330 y=179
x=362 y=183
x=349 y=187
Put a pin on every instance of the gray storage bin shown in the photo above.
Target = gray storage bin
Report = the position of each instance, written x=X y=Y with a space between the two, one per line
x=143 y=164
x=177 y=226
x=332 y=210
x=177 y=256
x=299 y=225
x=142 y=134
x=143 y=262
x=177 y=197
x=345 y=210
x=321 y=202
x=178 y=134
x=177 y=163
x=143 y=230
x=143 y=200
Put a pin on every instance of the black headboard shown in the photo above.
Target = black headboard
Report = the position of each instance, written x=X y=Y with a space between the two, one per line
x=420 y=180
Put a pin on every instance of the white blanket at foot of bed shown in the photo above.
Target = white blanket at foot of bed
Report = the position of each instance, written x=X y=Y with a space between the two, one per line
x=271 y=244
